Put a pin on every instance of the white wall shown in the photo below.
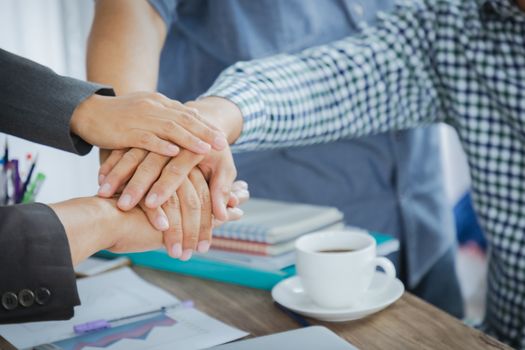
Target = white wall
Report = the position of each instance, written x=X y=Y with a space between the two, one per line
x=38 y=29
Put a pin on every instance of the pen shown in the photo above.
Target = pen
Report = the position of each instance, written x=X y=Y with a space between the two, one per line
x=34 y=188
x=6 y=163
x=28 y=178
x=98 y=325
x=16 y=180
x=296 y=317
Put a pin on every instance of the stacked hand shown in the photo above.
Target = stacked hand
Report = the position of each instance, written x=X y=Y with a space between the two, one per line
x=183 y=192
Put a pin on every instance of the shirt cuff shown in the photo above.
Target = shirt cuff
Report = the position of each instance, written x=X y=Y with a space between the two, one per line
x=239 y=90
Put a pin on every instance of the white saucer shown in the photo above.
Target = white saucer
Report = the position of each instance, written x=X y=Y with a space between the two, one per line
x=290 y=294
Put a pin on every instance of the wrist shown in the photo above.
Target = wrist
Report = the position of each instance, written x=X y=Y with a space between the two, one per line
x=82 y=118
x=84 y=221
x=223 y=113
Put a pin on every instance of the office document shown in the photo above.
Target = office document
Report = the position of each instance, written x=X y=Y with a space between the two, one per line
x=119 y=294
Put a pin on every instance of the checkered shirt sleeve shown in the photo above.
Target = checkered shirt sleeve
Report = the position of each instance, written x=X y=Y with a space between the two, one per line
x=457 y=61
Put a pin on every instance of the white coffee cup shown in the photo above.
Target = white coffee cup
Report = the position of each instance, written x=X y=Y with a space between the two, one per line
x=339 y=279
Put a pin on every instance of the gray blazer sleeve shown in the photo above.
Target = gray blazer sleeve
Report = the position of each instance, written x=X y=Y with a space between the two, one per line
x=37 y=277
x=37 y=280
x=36 y=103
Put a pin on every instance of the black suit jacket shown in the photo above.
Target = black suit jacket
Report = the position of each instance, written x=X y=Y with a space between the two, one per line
x=37 y=281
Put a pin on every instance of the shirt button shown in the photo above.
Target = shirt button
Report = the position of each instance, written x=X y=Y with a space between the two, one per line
x=42 y=296
x=26 y=298
x=9 y=301
x=358 y=9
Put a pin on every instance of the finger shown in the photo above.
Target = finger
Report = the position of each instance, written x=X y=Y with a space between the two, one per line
x=109 y=163
x=233 y=201
x=190 y=107
x=145 y=175
x=157 y=217
x=190 y=208
x=151 y=142
x=189 y=119
x=193 y=121
x=240 y=185
x=242 y=196
x=122 y=171
x=234 y=214
x=174 y=131
x=173 y=236
x=172 y=176
x=216 y=223
x=220 y=187
x=201 y=187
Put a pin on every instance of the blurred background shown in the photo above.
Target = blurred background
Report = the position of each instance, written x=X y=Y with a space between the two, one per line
x=54 y=33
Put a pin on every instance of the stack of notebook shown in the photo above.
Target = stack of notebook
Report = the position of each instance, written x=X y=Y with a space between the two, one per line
x=257 y=251
x=266 y=235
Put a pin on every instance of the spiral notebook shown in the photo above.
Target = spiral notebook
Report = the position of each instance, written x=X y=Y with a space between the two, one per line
x=269 y=221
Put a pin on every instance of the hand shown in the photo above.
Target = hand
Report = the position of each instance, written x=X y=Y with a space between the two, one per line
x=189 y=217
x=185 y=216
x=93 y=224
x=144 y=120
x=162 y=176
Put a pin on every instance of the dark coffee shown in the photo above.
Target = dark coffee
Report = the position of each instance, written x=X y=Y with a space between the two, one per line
x=336 y=250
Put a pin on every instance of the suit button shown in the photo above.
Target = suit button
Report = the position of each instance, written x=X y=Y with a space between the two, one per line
x=9 y=301
x=42 y=296
x=26 y=298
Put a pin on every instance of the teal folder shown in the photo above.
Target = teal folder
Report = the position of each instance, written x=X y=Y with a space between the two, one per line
x=208 y=269
x=225 y=272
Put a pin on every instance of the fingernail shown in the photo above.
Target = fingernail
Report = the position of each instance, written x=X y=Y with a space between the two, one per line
x=243 y=193
x=237 y=211
x=172 y=149
x=203 y=246
x=220 y=142
x=203 y=147
x=101 y=179
x=186 y=255
x=176 y=250
x=105 y=189
x=151 y=201
x=124 y=201
x=162 y=223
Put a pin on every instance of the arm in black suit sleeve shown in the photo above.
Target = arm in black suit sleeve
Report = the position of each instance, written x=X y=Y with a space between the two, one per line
x=37 y=104
x=35 y=256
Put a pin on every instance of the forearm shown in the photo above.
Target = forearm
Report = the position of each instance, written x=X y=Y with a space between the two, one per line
x=124 y=45
x=85 y=223
x=354 y=87
x=92 y=224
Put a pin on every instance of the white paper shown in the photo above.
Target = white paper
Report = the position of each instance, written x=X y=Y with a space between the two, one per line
x=194 y=330
x=95 y=266
x=108 y=296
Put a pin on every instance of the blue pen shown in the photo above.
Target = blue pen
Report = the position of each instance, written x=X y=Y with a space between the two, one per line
x=98 y=325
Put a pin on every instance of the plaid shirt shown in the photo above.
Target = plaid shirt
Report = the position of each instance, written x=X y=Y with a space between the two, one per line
x=459 y=61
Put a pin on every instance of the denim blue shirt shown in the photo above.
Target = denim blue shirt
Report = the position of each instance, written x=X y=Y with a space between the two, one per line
x=389 y=182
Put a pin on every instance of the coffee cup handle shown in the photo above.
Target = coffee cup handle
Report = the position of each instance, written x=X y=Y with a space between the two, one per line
x=390 y=272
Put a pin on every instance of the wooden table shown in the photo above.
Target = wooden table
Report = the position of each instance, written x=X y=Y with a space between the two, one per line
x=410 y=323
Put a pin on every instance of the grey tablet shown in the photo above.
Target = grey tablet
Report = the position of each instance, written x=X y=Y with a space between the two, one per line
x=309 y=338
